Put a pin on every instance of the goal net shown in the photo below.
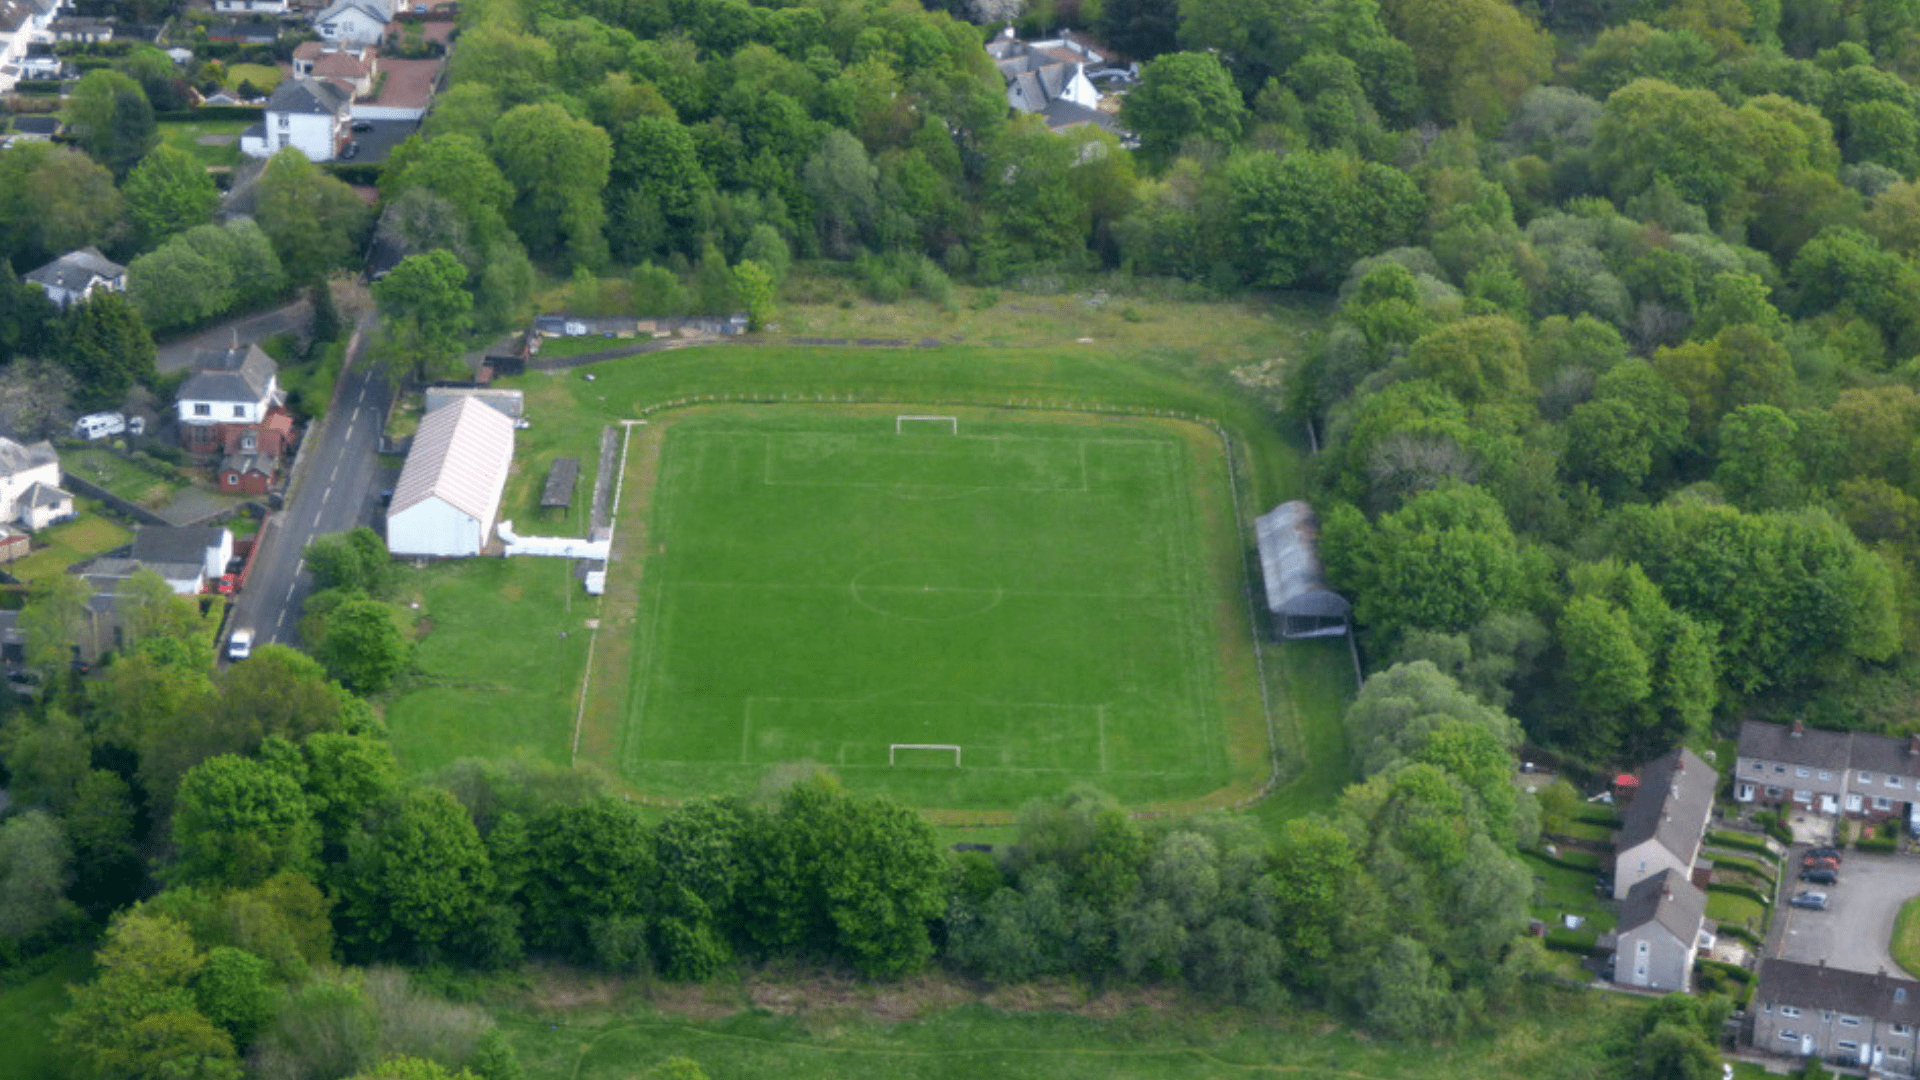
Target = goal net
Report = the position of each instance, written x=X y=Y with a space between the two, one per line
x=893 y=750
x=951 y=423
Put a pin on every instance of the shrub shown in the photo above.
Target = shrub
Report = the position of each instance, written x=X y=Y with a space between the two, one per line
x=1743 y=841
x=1877 y=843
x=1734 y=930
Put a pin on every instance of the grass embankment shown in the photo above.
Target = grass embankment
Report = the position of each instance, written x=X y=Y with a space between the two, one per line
x=1906 y=937
x=27 y=1010
x=61 y=546
x=915 y=1031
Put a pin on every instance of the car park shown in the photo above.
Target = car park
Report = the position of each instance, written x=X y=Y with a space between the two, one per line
x=1813 y=901
x=1820 y=877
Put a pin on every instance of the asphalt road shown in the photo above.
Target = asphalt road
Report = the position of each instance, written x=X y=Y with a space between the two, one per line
x=337 y=489
x=178 y=355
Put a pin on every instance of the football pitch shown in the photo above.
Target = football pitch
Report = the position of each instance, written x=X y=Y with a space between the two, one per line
x=963 y=611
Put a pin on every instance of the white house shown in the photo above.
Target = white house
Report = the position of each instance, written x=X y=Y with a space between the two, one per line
x=43 y=13
x=449 y=490
x=250 y=7
x=357 y=22
x=1663 y=827
x=187 y=558
x=1658 y=935
x=1050 y=77
x=30 y=490
x=311 y=115
x=75 y=276
x=236 y=386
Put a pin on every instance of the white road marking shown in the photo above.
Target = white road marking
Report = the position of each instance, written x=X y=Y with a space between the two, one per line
x=327 y=494
x=289 y=598
x=298 y=567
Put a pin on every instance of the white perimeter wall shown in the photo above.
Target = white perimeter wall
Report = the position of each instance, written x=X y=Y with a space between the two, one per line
x=433 y=527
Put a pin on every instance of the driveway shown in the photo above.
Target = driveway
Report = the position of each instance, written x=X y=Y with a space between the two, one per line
x=336 y=490
x=178 y=355
x=1853 y=933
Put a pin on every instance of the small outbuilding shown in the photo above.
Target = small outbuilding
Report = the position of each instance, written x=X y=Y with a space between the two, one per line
x=562 y=478
x=448 y=496
x=1297 y=594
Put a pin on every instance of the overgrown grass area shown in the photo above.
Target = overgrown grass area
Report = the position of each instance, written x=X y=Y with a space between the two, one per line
x=894 y=1032
x=27 y=1010
x=503 y=647
x=67 y=543
x=1906 y=937
x=1559 y=890
x=310 y=383
x=211 y=142
x=150 y=483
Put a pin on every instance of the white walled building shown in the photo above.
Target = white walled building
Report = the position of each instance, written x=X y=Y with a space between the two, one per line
x=30 y=490
x=356 y=22
x=448 y=496
x=236 y=386
x=310 y=115
x=77 y=275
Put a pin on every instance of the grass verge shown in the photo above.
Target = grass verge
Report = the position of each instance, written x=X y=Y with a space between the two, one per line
x=1906 y=937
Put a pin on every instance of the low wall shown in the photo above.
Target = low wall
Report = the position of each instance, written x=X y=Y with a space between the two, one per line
x=94 y=491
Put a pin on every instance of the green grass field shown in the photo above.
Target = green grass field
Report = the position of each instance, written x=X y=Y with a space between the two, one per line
x=821 y=586
x=27 y=1010
x=1560 y=1036
x=211 y=142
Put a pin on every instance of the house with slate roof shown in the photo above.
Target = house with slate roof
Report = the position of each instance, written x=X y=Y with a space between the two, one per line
x=1844 y=1017
x=312 y=115
x=1662 y=829
x=232 y=404
x=77 y=275
x=1658 y=934
x=30 y=492
x=1860 y=775
x=1050 y=78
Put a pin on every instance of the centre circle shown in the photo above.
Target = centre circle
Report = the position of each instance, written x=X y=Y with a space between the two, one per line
x=926 y=590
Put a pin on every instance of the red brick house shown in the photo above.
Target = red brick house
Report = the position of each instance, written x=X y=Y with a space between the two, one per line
x=248 y=473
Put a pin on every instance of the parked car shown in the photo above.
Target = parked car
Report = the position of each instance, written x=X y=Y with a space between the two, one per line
x=1820 y=877
x=1813 y=901
x=363 y=125
x=240 y=645
x=1824 y=853
x=350 y=151
x=1821 y=864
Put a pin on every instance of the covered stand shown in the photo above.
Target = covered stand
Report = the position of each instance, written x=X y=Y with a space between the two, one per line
x=1297 y=595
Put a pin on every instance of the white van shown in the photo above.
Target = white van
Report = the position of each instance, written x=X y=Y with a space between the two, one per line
x=99 y=425
x=240 y=645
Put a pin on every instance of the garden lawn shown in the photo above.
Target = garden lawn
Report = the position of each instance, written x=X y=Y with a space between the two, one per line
x=1559 y=891
x=1739 y=910
x=133 y=481
x=67 y=543
x=186 y=134
x=500 y=663
x=1560 y=1035
x=260 y=75
x=27 y=1010
x=1906 y=937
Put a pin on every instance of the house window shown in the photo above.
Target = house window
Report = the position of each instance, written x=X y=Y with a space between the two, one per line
x=1758 y=767
x=1802 y=796
x=1826 y=1016
x=202 y=409
x=1899 y=994
x=1899 y=1052
x=1640 y=972
x=1846 y=1046
x=1802 y=772
x=233 y=479
x=1789 y=1036
x=285 y=120
x=1767 y=1008
x=1781 y=769
x=1893 y=782
x=1789 y=1011
x=1849 y=1021
x=1773 y=792
x=240 y=411
x=247 y=442
x=1642 y=948
x=1881 y=802
x=1825 y=775
x=1903 y=1029
x=1866 y=778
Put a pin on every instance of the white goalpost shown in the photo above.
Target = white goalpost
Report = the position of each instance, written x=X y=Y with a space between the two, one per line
x=900 y=422
x=895 y=748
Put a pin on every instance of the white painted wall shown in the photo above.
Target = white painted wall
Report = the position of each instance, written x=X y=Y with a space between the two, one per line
x=354 y=26
x=187 y=410
x=12 y=487
x=434 y=527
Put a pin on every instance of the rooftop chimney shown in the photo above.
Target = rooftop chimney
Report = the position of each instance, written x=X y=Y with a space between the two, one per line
x=1799 y=728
